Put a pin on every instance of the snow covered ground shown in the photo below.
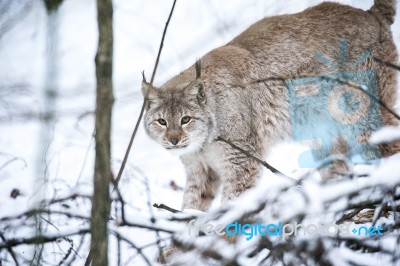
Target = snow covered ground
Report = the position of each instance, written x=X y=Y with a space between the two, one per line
x=197 y=26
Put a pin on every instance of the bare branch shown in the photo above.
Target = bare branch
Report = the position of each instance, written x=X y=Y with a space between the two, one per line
x=362 y=88
x=39 y=239
x=264 y=163
x=69 y=251
x=138 y=249
x=165 y=207
x=329 y=77
x=4 y=165
x=146 y=226
x=386 y=63
x=10 y=250
x=121 y=170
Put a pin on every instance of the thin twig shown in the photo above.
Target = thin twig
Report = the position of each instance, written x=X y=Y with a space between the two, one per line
x=386 y=63
x=348 y=216
x=76 y=251
x=155 y=243
x=69 y=251
x=263 y=163
x=34 y=212
x=361 y=88
x=165 y=207
x=378 y=212
x=39 y=239
x=152 y=216
x=121 y=170
x=120 y=199
x=88 y=260
x=329 y=77
x=10 y=250
x=118 y=249
x=370 y=203
x=138 y=249
x=85 y=158
x=69 y=197
x=11 y=161
x=144 y=247
x=145 y=226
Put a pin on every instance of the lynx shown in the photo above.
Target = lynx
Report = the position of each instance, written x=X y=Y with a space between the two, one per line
x=239 y=92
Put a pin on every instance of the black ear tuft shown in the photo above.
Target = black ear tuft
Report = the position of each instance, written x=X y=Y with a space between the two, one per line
x=144 y=78
x=198 y=69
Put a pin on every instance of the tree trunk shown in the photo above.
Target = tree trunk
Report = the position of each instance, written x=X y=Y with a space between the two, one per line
x=48 y=118
x=104 y=101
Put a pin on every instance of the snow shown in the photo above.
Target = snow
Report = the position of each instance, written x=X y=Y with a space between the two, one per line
x=196 y=27
x=385 y=135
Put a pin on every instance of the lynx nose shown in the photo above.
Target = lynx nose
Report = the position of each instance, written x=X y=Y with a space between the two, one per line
x=174 y=141
x=174 y=136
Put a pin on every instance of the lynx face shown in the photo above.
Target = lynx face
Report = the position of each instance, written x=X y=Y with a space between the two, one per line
x=178 y=118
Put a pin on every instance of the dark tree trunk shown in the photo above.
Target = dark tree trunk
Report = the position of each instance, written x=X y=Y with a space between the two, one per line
x=104 y=101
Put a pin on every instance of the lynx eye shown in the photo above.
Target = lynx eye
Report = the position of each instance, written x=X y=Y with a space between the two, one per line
x=185 y=120
x=162 y=122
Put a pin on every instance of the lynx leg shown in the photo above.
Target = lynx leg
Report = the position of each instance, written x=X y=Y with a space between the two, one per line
x=338 y=167
x=237 y=171
x=201 y=187
x=201 y=184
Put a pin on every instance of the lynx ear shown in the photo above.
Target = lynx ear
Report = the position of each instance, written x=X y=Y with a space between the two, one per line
x=196 y=89
x=150 y=92
x=147 y=90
